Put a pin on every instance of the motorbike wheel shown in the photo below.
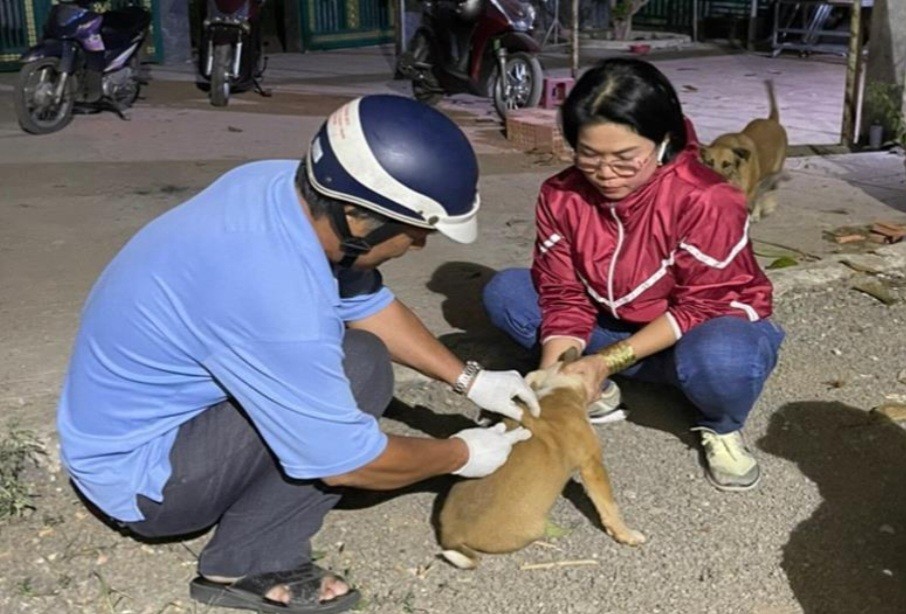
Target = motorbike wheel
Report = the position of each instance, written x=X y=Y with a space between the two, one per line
x=35 y=108
x=425 y=86
x=220 y=75
x=126 y=96
x=520 y=86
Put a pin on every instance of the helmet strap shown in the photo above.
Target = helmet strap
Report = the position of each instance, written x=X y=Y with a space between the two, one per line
x=352 y=246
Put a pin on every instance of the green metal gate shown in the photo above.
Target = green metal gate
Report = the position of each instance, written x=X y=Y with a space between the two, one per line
x=668 y=15
x=331 y=24
x=677 y=15
x=21 y=23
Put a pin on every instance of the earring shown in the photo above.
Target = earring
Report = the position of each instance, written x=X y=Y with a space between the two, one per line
x=662 y=148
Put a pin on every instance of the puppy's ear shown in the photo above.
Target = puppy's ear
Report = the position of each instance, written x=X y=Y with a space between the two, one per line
x=570 y=355
x=535 y=379
x=741 y=152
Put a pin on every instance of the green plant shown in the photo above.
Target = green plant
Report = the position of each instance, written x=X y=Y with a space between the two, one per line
x=622 y=9
x=19 y=449
x=884 y=105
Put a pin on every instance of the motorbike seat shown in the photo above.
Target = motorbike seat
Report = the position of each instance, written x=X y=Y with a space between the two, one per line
x=119 y=26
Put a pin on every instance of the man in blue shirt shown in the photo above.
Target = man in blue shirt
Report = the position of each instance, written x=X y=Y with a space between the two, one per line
x=233 y=358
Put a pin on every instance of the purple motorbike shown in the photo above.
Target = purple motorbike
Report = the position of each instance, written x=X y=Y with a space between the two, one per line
x=85 y=62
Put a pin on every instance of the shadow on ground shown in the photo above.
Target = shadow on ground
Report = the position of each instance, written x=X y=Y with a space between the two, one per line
x=850 y=556
x=462 y=283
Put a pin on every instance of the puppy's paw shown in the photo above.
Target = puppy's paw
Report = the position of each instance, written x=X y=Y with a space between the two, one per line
x=631 y=537
x=459 y=559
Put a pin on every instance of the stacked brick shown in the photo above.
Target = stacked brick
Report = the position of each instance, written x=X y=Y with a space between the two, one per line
x=537 y=131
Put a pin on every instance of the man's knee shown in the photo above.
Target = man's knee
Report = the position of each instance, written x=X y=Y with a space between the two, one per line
x=367 y=365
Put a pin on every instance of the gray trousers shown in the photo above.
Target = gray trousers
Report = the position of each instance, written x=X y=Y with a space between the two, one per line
x=225 y=475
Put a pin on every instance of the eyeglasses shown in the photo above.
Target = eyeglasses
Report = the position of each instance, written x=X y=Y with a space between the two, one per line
x=620 y=168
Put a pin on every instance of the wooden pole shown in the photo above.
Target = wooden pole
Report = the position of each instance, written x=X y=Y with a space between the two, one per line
x=750 y=31
x=694 y=21
x=575 y=33
x=853 y=73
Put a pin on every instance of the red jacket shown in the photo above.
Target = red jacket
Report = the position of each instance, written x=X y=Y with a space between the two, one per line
x=678 y=245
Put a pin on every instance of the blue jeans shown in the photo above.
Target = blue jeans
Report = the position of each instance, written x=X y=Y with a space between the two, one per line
x=720 y=365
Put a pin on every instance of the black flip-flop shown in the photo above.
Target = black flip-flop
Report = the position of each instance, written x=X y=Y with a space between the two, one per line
x=248 y=592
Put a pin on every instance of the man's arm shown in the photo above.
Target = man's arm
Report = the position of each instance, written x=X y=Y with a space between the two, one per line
x=411 y=343
x=404 y=461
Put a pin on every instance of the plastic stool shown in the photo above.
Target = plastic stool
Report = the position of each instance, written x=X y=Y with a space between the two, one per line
x=555 y=90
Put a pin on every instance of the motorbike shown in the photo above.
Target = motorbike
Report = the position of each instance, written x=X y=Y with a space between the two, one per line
x=481 y=47
x=85 y=62
x=230 y=57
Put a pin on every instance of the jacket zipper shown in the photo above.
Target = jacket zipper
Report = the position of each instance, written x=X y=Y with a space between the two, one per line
x=613 y=263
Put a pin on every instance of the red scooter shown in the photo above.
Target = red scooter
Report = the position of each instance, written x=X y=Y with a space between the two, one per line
x=481 y=47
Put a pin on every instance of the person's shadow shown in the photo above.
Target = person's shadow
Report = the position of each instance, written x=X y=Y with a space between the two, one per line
x=462 y=284
x=849 y=557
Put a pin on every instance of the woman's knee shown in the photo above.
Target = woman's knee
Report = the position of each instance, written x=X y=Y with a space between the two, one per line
x=505 y=285
x=511 y=303
x=369 y=369
x=730 y=351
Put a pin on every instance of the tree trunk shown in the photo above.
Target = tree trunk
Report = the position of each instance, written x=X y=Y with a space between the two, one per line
x=885 y=71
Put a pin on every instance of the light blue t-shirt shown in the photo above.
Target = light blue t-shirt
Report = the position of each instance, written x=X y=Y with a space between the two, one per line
x=230 y=294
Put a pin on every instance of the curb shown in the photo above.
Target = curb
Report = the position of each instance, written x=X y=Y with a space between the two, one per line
x=837 y=268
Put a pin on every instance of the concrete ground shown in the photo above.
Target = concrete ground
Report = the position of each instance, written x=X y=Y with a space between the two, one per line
x=69 y=200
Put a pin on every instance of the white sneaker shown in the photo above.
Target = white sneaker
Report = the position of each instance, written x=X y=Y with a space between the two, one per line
x=729 y=464
x=606 y=408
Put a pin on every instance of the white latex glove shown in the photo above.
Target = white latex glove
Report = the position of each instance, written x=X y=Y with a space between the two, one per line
x=495 y=390
x=488 y=448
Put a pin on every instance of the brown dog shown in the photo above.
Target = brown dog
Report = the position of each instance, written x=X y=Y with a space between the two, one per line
x=508 y=509
x=752 y=160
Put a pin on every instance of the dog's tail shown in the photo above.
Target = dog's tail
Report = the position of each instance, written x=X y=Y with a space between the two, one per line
x=775 y=112
x=462 y=557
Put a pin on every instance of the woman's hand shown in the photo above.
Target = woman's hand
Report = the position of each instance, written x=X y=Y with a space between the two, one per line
x=593 y=371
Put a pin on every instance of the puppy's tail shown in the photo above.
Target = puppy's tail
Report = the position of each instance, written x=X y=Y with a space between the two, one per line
x=775 y=112
x=462 y=557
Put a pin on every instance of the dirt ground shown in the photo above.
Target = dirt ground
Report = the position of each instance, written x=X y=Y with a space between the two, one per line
x=825 y=533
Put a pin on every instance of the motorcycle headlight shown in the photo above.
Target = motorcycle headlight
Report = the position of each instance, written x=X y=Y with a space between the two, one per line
x=526 y=20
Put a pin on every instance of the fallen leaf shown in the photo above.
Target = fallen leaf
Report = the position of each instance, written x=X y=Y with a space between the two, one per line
x=554 y=531
x=890 y=411
x=783 y=262
x=875 y=289
x=234 y=129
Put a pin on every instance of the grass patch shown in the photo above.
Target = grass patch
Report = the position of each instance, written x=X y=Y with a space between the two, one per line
x=19 y=449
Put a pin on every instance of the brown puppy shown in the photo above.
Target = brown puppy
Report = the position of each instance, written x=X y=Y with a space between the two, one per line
x=508 y=509
x=752 y=160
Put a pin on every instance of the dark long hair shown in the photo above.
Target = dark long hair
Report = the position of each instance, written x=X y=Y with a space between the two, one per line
x=629 y=92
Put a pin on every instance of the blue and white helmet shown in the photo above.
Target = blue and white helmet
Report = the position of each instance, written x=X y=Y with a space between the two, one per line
x=402 y=159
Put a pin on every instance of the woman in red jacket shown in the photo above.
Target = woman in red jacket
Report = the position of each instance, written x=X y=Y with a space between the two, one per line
x=643 y=262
